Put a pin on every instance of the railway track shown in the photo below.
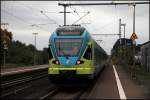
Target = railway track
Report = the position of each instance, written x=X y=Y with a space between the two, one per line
x=11 y=84
x=73 y=91
x=36 y=85
x=64 y=93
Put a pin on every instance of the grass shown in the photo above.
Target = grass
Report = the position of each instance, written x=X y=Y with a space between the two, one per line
x=142 y=73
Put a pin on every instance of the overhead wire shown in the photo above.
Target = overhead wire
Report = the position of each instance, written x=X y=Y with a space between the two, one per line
x=124 y=19
x=81 y=20
x=24 y=21
x=77 y=14
x=32 y=9
x=37 y=12
x=81 y=17
x=87 y=26
x=75 y=11
x=15 y=16
x=49 y=18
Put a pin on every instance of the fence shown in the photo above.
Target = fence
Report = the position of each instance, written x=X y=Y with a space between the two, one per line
x=145 y=55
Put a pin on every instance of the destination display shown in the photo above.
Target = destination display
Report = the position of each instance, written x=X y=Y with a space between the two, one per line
x=70 y=33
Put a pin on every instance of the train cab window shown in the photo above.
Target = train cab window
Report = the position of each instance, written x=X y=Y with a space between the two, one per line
x=50 y=56
x=88 y=53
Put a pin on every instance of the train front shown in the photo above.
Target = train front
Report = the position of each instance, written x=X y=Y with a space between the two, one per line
x=67 y=47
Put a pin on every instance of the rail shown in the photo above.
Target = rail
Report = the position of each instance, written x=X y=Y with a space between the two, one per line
x=11 y=80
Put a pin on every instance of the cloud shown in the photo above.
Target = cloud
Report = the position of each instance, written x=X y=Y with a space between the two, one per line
x=103 y=19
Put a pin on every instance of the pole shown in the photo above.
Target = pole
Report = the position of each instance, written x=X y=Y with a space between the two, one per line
x=4 y=58
x=124 y=33
x=120 y=30
x=133 y=18
x=134 y=32
x=35 y=47
x=5 y=44
x=124 y=30
x=64 y=15
x=124 y=40
x=5 y=48
x=35 y=50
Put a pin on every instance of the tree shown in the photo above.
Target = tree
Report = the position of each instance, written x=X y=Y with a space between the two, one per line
x=22 y=54
x=5 y=36
x=19 y=53
x=5 y=40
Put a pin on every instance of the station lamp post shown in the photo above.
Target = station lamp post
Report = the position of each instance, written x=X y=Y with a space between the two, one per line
x=124 y=25
x=35 y=47
x=5 y=48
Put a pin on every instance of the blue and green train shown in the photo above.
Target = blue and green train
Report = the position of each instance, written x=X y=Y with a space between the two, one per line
x=73 y=53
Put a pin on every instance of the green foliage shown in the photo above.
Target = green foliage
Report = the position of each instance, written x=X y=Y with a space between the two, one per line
x=20 y=54
x=5 y=36
x=124 y=56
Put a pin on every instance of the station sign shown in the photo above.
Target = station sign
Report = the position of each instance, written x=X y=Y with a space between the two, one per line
x=133 y=36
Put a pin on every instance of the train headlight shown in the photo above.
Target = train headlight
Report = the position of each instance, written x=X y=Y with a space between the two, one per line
x=79 y=62
x=56 y=62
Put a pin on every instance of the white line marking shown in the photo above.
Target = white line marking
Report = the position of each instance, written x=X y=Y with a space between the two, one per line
x=120 y=89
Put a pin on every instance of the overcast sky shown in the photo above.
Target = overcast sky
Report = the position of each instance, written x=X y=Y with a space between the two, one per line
x=21 y=15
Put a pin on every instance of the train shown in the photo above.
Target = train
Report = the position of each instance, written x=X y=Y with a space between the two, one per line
x=73 y=53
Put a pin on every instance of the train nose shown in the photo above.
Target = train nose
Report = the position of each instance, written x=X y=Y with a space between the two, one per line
x=68 y=61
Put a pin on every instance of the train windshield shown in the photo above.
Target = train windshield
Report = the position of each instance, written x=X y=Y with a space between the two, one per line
x=68 y=47
x=69 y=33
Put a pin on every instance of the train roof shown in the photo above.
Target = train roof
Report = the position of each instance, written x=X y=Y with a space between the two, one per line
x=67 y=29
x=70 y=27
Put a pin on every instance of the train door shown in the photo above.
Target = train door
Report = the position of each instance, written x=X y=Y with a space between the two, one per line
x=88 y=53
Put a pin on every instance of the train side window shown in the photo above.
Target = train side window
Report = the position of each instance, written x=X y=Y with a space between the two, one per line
x=50 y=56
x=88 y=53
